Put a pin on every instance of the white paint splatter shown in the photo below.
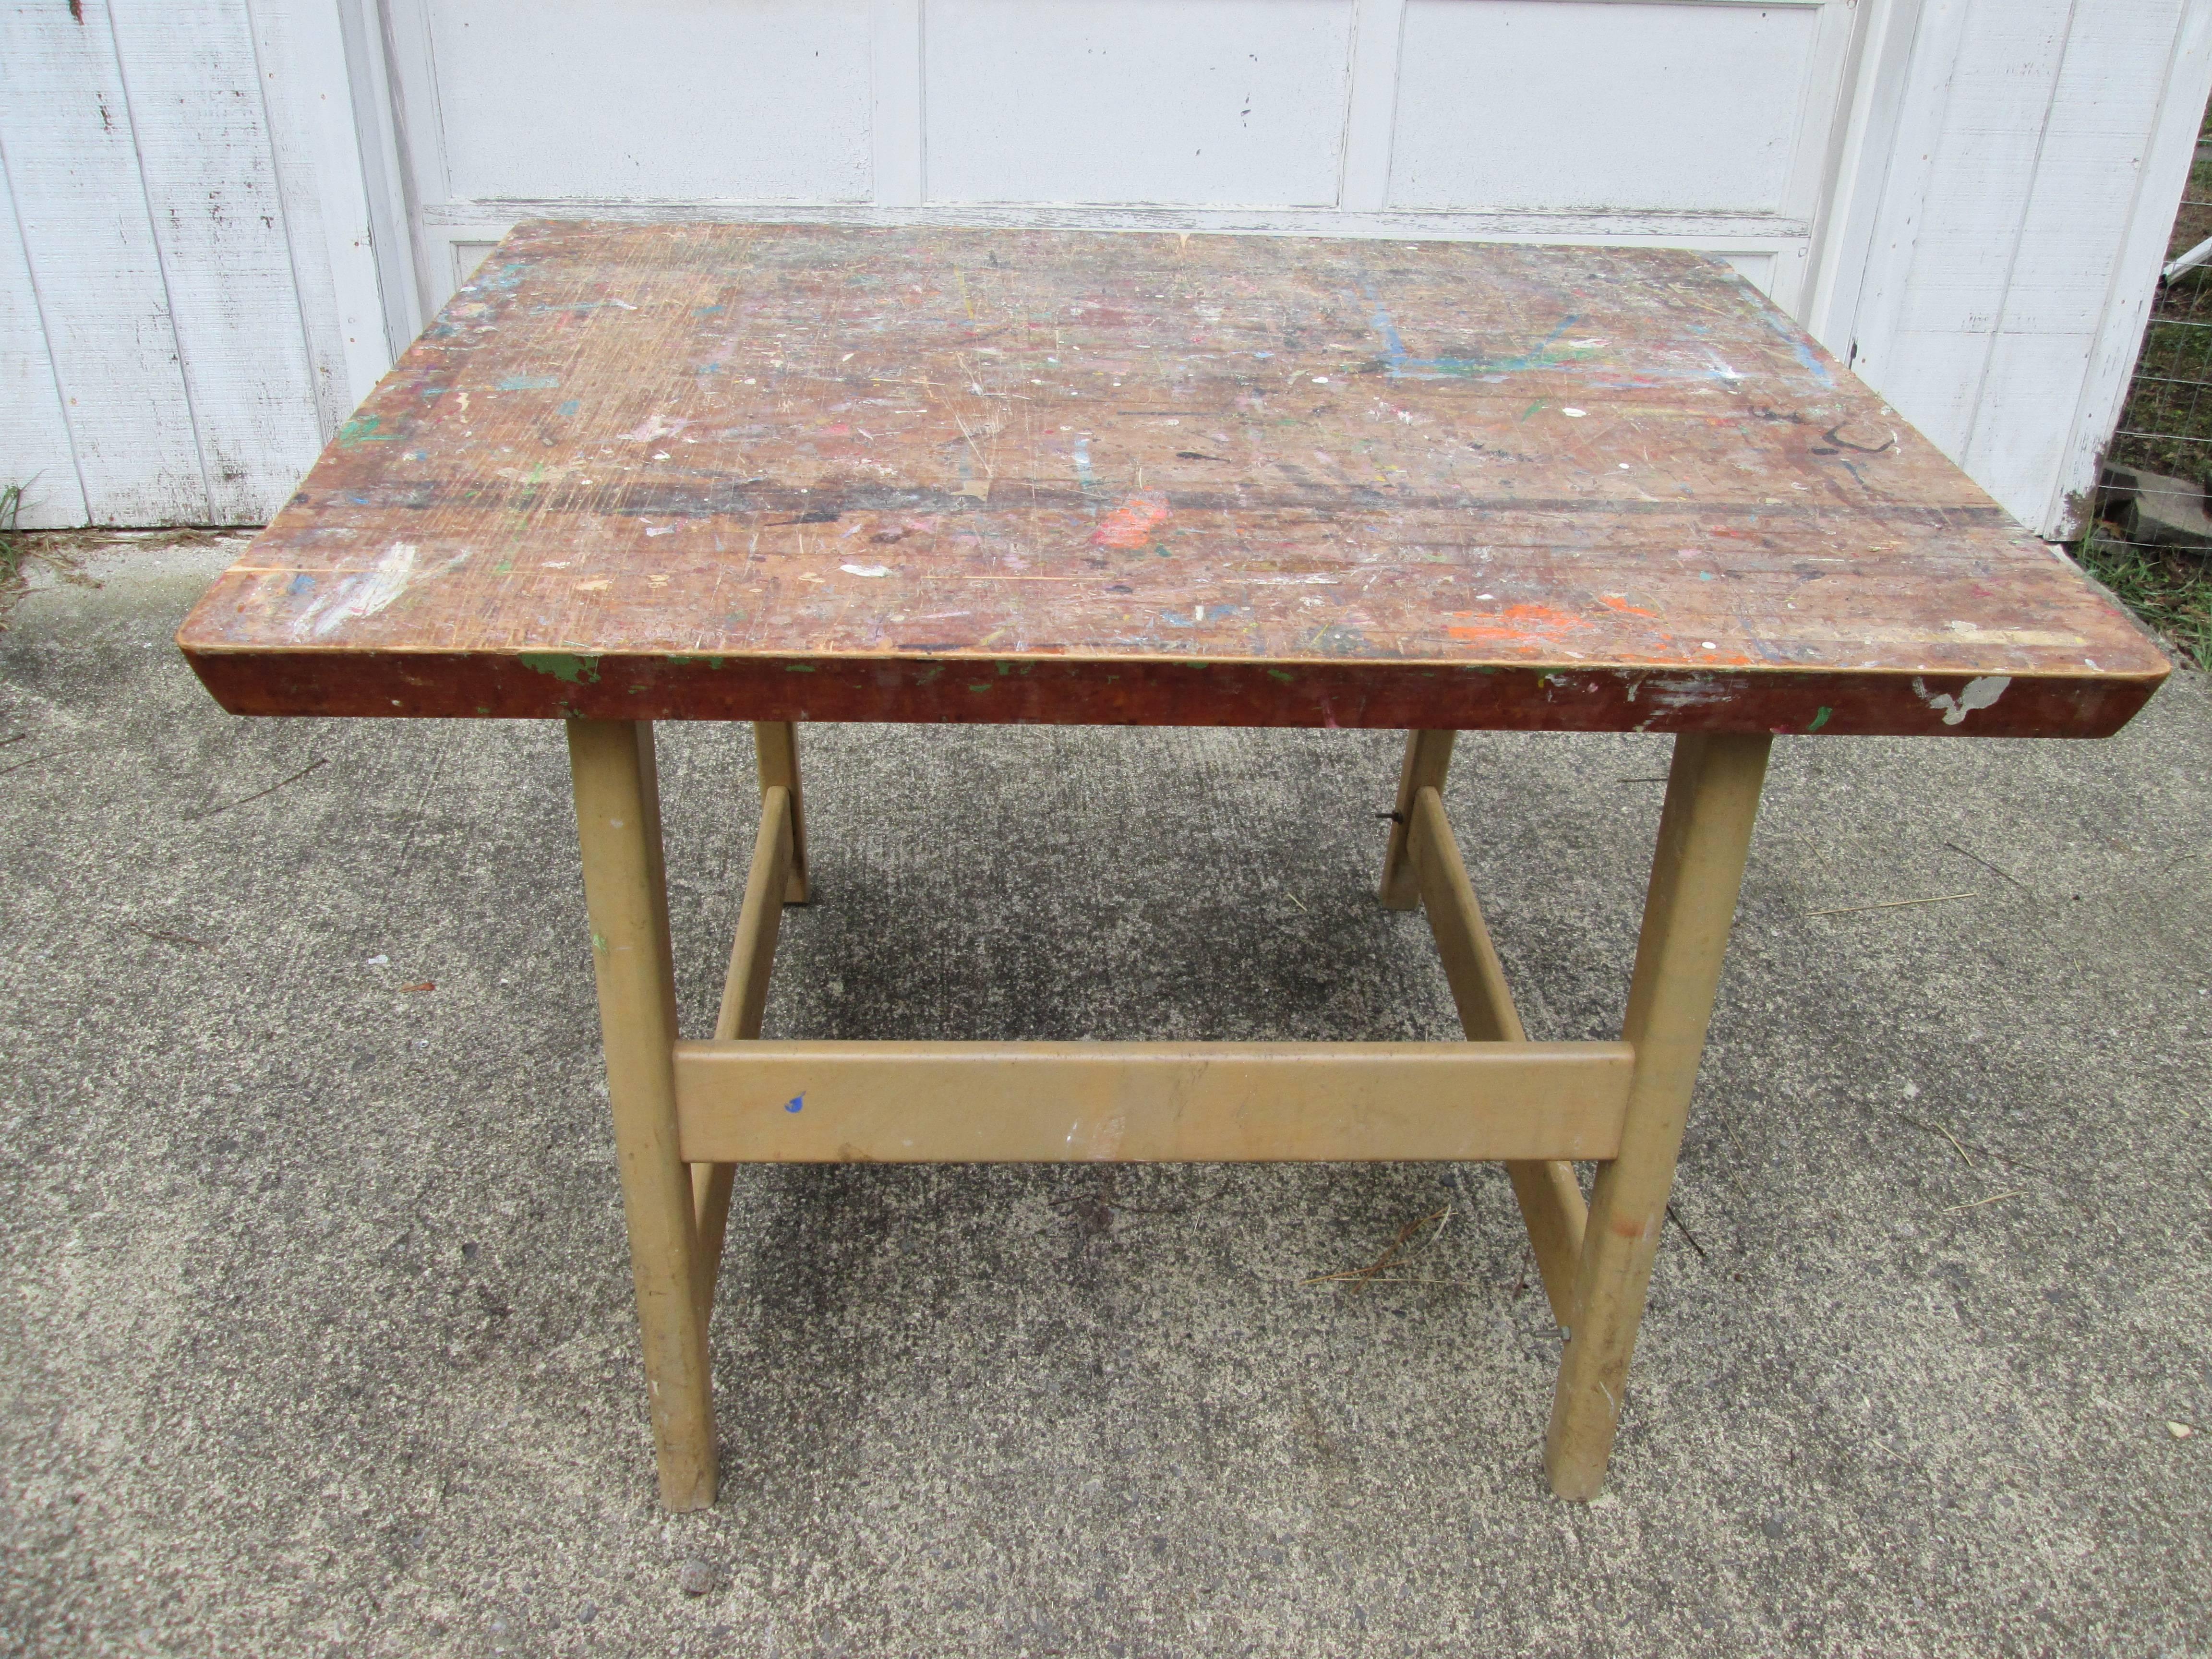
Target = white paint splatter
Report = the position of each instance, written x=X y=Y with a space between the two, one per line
x=1981 y=693
x=1574 y=414
x=866 y=570
x=363 y=593
x=1699 y=693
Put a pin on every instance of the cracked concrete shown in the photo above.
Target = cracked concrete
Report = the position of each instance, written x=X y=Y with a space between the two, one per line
x=318 y=1336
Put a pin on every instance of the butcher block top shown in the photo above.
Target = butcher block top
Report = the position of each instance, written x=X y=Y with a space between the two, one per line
x=803 y=472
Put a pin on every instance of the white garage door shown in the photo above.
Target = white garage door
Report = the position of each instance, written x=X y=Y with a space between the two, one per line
x=1707 y=123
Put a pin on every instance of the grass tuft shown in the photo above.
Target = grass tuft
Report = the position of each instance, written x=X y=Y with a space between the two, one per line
x=2171 y=591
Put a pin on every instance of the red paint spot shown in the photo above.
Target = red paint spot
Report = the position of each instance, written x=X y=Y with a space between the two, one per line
x=1130 y=526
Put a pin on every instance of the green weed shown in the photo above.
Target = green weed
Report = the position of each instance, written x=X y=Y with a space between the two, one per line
x=2171 y=591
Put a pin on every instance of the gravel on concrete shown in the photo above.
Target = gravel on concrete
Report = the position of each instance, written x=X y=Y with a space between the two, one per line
x=317 y=1336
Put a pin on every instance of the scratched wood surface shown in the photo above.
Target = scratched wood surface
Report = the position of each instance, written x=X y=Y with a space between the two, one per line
x=773 y=472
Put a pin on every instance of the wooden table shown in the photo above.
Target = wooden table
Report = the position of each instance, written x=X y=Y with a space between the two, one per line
x=786 y=473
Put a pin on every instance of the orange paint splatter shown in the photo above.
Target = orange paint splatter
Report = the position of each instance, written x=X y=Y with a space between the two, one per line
x=1620 y=601
x=1130 y=526
x=1517 y=622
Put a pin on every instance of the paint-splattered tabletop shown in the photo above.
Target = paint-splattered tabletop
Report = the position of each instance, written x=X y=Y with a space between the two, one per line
x=779 y=472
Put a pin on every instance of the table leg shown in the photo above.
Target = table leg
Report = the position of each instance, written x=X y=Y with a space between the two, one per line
x=1704 y=834
x=626 y=894
x=1428 y=757
x=775 y=750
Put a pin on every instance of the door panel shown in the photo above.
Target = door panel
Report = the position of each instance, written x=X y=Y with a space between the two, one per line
x=1665 y=107
x=672 y=98
x=1182 y=101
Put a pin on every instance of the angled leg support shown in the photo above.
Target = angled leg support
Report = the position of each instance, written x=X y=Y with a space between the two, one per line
x=1551 y=1202
x=779 y=868
x=626 y=893
x=745 y=995
x=1428 y=758
x=1705 y=835
x=775 y=750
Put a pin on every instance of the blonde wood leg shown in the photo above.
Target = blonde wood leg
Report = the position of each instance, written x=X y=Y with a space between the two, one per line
x=776 y=748
x=1551 y=1203
x=625 y=892
x=745 y=996
x=1428 y=757
x=1704 y=834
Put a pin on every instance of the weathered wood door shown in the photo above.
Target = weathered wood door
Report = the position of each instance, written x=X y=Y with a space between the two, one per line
x=1708 y=124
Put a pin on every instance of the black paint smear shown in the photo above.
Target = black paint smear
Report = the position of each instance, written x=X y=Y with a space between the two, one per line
x=1834 y=434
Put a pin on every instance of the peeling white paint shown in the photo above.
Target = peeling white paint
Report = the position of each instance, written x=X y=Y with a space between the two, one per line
x=1693 y=694
x=1981 y=693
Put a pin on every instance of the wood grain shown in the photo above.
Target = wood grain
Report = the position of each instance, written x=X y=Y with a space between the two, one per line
x=799 y=472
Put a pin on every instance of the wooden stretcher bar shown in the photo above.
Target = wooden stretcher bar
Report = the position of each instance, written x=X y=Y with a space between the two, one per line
x=986 y=1102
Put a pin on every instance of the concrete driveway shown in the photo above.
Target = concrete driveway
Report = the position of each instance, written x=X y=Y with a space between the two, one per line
x=317 y=1336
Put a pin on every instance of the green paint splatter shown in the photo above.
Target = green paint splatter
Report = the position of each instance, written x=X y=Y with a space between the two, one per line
x=1282 y=674
x=798 y=668
x=564 y=665
x=361 y=429
x=502 y=566
x=1532 y=409
x=985 y=686
x=599 y=941
x=1820 y=720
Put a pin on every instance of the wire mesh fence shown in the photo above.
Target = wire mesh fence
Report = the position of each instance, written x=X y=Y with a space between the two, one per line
x=2151 y=539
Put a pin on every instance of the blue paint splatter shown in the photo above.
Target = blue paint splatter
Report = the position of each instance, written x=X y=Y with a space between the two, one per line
x=529 y=383
x=797 y=1102
x=1404 y=366
x=570 y=408
x=302 y=583
x=1799 y=345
